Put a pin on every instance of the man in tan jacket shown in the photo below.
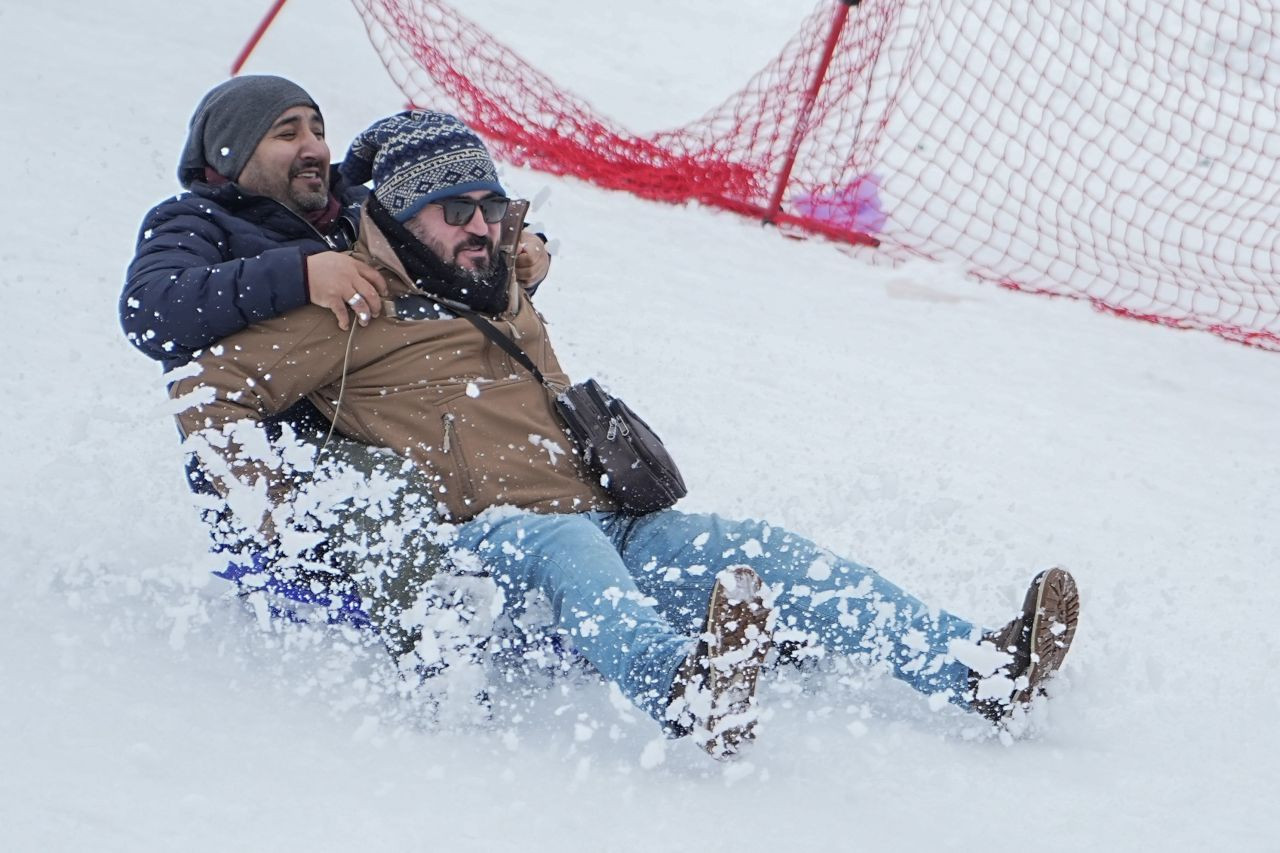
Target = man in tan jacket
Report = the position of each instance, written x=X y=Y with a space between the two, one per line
x=676 y=609
x=265 y=226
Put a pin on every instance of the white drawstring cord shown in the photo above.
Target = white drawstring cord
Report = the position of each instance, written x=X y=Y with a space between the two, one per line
x=342 y=387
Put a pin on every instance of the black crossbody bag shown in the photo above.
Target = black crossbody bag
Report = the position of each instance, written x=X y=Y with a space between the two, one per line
x=616 y=444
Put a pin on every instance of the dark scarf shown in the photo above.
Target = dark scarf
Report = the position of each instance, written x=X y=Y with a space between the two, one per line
x=486 y=296
x=324 y=218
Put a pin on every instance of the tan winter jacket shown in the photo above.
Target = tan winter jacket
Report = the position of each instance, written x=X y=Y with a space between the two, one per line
x=436 y=391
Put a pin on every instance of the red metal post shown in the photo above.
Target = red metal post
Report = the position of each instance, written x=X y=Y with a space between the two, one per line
x=810 y=98
x=256 y=37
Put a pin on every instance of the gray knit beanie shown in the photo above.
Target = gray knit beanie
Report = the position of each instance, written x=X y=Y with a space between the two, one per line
x=416 y=157
x=231 y=120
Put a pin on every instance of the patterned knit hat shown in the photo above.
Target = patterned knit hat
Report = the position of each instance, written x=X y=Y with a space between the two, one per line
x=416 y=157
x=231 y=120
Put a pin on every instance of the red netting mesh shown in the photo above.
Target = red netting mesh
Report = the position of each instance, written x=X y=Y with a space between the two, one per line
x=1119 y=151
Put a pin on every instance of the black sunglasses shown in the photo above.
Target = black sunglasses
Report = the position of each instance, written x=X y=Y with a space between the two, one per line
x=458 y=211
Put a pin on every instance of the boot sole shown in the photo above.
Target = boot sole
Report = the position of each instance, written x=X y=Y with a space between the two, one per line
x=1057 y=604
x=744 y=641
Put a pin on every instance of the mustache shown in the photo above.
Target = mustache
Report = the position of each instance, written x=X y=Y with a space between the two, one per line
x=309 y=163
x=474 y=241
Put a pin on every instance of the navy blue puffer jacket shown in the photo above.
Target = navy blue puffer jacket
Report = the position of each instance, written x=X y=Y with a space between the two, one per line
x=214 y=260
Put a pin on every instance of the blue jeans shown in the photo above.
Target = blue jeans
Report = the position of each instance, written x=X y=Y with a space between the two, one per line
x=631 y=592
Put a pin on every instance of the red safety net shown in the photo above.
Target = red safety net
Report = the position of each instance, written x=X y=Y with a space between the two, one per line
x=1119 y=151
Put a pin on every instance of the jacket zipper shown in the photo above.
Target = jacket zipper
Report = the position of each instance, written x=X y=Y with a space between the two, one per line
x=448 y=431
x=453 y=448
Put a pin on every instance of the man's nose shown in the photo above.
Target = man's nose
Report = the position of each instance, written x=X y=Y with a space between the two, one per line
x=476 y=224
x=315 y=146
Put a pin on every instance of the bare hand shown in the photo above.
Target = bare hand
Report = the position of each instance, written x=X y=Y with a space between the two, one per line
x=339 y=282
x=532 y=261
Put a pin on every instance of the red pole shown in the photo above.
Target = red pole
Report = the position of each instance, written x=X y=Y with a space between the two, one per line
x=810 y=97
x=256 y=37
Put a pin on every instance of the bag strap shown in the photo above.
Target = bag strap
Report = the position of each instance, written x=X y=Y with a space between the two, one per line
x=508 y=346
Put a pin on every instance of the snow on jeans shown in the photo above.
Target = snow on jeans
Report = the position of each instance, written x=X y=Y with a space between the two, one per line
x=631 y=593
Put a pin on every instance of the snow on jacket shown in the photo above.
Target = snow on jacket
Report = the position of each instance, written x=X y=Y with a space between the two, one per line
x=215 y=260
x=436 y=391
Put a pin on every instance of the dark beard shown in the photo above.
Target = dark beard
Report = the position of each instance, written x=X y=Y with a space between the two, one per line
x=309 y=202
x=474 y=241
x=484 y=291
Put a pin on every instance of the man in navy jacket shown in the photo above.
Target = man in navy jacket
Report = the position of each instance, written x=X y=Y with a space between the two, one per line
x=259 y=232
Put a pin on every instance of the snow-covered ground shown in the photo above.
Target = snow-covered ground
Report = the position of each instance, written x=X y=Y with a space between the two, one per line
x=954 y=435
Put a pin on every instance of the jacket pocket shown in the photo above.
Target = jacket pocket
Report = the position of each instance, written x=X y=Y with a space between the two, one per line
x=451 y=447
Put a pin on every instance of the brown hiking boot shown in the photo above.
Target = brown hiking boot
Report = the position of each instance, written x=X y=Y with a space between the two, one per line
x=713 y=697
x=1038 y=641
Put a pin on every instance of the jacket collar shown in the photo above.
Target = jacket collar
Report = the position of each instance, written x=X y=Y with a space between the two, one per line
x=373 y=243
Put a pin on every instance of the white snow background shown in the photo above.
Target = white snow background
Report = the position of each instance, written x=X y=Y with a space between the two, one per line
x=956 y=436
